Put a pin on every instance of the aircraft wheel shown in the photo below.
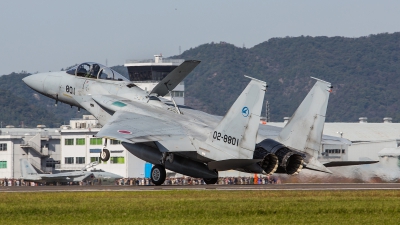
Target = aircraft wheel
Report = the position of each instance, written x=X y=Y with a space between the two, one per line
x=210 y=180
x=158 y=174
x=105 y=155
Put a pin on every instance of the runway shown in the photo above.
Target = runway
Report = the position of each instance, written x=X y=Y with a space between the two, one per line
x=270 y=187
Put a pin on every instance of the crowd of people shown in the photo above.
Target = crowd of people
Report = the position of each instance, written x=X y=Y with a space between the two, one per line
x=16 y=182
x=147 y=181
x=199 y=181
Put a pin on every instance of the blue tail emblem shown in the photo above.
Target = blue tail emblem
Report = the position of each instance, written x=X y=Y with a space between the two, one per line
x=245 y=111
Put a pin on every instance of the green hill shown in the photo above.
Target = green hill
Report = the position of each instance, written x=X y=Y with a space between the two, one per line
x=364 y=72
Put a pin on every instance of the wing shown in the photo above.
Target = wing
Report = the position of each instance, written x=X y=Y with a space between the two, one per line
x=134 y=128
x=65 y=175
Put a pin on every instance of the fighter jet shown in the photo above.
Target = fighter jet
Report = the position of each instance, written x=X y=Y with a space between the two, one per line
x=189 y=141
x=30 y=174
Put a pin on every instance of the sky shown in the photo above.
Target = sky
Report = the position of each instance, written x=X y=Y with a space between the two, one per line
x=44 y=35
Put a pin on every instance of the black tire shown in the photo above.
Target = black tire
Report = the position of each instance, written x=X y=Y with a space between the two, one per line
x=210 y=180
x=105 y=155
x=158 y=174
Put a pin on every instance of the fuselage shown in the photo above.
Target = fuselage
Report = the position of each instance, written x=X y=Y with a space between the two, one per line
x=67 y=88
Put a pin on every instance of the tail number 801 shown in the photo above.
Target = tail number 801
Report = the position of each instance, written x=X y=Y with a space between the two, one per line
x=226 y=138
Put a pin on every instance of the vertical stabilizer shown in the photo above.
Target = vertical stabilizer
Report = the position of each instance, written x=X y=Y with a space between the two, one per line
x=237 y=131
x=27 y=171
x=304 y=130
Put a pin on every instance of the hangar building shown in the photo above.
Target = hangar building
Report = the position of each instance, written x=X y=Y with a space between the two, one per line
x=71 y=147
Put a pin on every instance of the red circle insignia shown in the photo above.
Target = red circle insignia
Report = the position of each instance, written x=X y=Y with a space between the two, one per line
x=124 y=132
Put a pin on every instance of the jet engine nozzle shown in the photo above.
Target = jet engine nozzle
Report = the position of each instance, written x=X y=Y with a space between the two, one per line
x=294 y=164
x=290 y=162
x=270 y=163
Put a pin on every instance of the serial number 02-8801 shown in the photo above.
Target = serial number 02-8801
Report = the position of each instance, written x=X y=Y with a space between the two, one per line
x=225 y=138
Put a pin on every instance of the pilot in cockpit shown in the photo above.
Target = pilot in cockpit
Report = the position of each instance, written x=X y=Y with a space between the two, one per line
x=95 y=70
x=81 y=71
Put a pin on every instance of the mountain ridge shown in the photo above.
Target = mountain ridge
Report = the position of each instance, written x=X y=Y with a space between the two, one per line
x=364 y=72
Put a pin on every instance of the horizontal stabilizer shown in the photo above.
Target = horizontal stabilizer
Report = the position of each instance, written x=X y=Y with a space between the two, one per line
x=174 y=78
x=316 y=165
x=348 y=163
x=230 y=164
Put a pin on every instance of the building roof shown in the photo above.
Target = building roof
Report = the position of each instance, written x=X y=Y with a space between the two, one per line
x=391 y=152
x=364 y=131
x=29 y=131
x=360 y=131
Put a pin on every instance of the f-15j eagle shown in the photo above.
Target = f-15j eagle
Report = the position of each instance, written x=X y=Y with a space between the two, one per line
x=30 y=174
x=189 y=141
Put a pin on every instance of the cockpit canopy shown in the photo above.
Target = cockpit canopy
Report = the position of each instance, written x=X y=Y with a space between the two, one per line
x=95 y=71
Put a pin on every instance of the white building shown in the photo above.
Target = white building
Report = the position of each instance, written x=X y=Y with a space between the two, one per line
x=40 y=146
x=370 y=142
x=73 y=146
x=70 y=147
x=368 y=139
x=79 y=147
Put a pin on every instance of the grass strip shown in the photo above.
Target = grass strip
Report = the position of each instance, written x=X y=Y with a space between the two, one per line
x=202 y=207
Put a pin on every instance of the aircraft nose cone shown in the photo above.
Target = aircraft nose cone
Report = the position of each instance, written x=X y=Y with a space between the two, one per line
x=35 y=81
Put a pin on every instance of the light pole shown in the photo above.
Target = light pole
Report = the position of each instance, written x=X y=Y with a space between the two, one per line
x=341 y=146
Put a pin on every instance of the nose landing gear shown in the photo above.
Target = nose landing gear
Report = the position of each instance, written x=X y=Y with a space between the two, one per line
x=105 y=153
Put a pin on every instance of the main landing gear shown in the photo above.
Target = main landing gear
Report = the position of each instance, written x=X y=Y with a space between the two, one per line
x=158 y=173
x=105 y=153
x=210 y=180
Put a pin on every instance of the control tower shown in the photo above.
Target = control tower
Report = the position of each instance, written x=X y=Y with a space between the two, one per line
x=147 y=74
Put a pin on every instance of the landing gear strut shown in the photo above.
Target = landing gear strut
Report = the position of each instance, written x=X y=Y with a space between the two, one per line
x=158 y=174
x=167 y=156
